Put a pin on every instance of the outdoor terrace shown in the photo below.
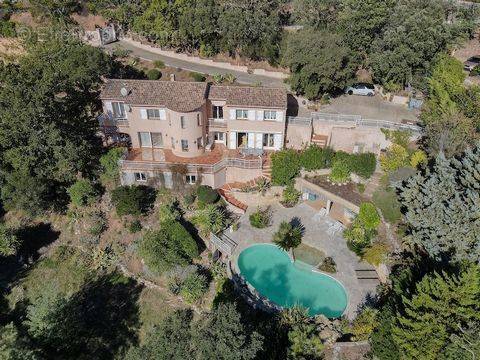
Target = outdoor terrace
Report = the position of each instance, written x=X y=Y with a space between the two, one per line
x=215 y=159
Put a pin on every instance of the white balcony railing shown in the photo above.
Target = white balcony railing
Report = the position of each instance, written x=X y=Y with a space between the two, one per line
x=219 y=123
x=202 y=168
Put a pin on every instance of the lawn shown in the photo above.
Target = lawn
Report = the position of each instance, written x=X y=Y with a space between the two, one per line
x=386 y=200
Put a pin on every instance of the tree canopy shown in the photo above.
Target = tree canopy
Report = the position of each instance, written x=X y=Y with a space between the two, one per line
x=319 y=61
x=47 y=124
x=441 y=208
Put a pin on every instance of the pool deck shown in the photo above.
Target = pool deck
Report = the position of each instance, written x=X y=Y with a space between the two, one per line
x=316 y=236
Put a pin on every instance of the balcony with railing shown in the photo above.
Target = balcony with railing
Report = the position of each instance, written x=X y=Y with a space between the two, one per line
x=217 y=123
x=108 y=121
x=148 y=159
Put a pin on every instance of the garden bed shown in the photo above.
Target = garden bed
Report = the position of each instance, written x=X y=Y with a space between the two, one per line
x=348 y=191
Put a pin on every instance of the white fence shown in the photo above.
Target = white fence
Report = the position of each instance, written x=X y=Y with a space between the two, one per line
x=356 y=120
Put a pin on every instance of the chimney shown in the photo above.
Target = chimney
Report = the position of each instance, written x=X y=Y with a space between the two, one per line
x=172 y=77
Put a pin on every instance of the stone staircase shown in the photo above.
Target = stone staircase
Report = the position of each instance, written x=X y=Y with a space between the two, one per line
x=227 y=192
x=267 y=169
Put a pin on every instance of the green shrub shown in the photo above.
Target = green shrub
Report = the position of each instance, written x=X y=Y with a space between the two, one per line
x=189 y=199
x=340 y=172
x=364 y=324
x=169 y=212
x=207 y=195
x=99 y=223
x=328 y=265
x=315 y=157
x=386 y=200
x=376 y=253
x=9 y=242
x=154 y=74
x=110 y=171
x=368 y=216
x=363 y=164
x=187 y=282
x=7 y=29
x=361 y=188
x=171 y=245
x=358 y=238
x=285 y=166
x=363 y=229
x=135 y=226
x=261 y=218
x=212 y=218
x=133 y=200
x=197 y=76
x=290 y=196
x=194 y=287
x=159 y=64
x=206 y=50
x=394 y=158
x=82 y=193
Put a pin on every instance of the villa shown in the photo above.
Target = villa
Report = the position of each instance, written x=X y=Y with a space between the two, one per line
x=196 y=133
x=193 y=132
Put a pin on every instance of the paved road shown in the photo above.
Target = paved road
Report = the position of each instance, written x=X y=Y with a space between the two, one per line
x=191 y=66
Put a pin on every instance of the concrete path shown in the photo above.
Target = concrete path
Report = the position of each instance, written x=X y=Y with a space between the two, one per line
x=316 y=236
x=242 y=77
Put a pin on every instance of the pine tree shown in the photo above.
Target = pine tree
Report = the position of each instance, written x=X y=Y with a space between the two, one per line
x=442 y=208
x=440 y=306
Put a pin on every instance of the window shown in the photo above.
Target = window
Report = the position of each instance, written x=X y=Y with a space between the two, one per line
x=217 y=112
x=182 y=122
x=191 y=179
x=118 y=110
x=200 y=142
x=140 y=176
x=242 y=114
x=157 y=140
x=153 y=113
x=145 y=139
x=173 y=142
x=269 y=115
x=199 y=120
x=219 y=136
x=268 y=140
x=184 y=145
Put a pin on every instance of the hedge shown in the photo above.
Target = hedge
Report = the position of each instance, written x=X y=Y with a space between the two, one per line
x=363 y=165
x=315 y=157
x=286 y=164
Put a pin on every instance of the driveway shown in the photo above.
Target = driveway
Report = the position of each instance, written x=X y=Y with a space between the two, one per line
x=369 y=107
x=242 y=77
x=315 y=235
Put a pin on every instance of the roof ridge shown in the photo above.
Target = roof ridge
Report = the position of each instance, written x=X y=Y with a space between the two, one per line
x=158 y=81
x=249 y=86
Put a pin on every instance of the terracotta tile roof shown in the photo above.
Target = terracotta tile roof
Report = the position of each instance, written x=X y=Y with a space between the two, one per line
x=174 y=95
x=249 y=96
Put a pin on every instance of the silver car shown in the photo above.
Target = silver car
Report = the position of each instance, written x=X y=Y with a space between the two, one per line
x=363 y=89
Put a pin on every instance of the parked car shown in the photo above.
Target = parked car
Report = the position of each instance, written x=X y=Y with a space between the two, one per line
x=361 y=89
x=471 y=63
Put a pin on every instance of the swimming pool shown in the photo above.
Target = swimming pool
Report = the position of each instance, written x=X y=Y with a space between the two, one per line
x=269 y=270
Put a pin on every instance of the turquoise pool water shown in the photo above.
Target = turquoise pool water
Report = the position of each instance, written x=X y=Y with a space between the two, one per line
x=269 y=270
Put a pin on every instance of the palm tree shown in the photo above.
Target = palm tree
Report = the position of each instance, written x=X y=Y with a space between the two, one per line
x=288 y=237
